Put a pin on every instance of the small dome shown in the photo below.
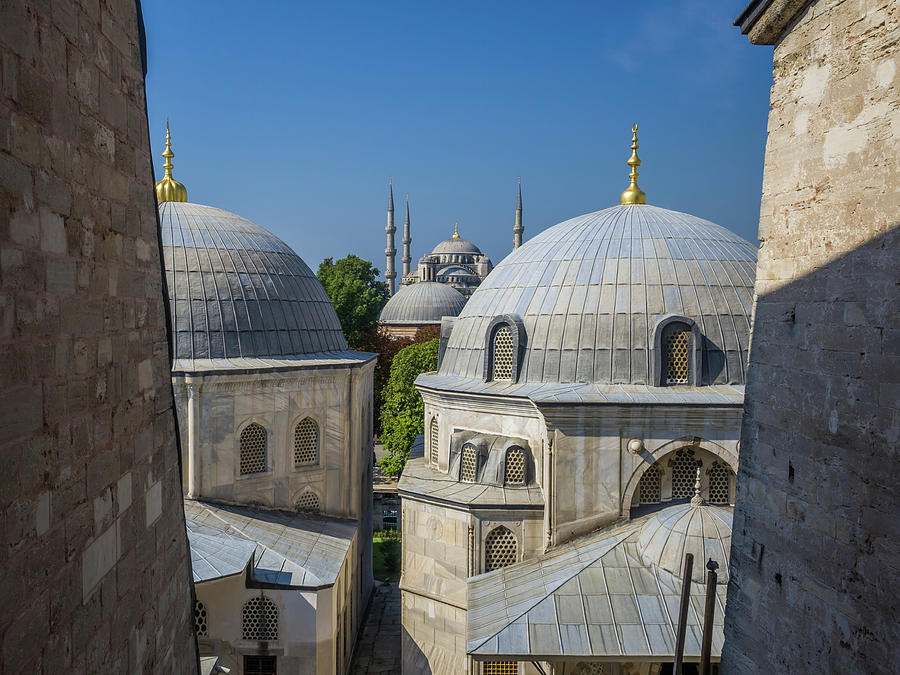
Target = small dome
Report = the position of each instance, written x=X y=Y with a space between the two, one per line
x=702 y=530
x=422 y=302
x=236 y=290
x=455 y=271
x=591 y=290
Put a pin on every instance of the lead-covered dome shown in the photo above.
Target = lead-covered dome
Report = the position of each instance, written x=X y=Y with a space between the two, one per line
x=456 y=244
x=590 y=292
x=422 y=302
x=236 y=290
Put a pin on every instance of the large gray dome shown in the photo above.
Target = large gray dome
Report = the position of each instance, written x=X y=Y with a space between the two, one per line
x=236 y=290
x=590 y=291
x=422 y=302
x=456 y=245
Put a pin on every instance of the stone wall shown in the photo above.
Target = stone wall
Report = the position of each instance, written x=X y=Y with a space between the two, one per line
x=816 y=545
x=96 y=573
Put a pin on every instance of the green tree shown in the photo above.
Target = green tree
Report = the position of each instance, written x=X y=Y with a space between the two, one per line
x=353 y=286
x=403 y=412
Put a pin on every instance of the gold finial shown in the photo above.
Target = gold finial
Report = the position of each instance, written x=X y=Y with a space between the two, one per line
x=634 y=194
x=456 y=230
x=169 y=189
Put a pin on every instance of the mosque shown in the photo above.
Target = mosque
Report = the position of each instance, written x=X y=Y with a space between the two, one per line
x=582 y=434
x=275 y=419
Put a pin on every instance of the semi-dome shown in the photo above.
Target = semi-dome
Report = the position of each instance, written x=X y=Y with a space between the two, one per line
x=236 y=290
x=422 y=302
x=704 y=531
x=590 y=292
x=456 y=271
x=456 y=244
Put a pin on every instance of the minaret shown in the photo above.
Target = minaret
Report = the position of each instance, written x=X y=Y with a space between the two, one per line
x=390 y=252
x=518 y=229
x=407 y=240
x=633 y=194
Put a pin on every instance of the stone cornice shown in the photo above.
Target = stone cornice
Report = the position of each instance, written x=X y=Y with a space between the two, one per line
x=479 y=403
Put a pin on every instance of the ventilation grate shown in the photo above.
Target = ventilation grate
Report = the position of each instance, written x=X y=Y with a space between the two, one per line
x=500 y=549
x=435 y=441
x=259 y=619
x=253 y=449
x=503 y=354
x=200 y=626
x=469 y=463
x=306 y=442
x=308 y=502
x=684 y=474
x=677 y=357
x=515 y=466
x=501 y=668
x=718 y=484
x=648 y=487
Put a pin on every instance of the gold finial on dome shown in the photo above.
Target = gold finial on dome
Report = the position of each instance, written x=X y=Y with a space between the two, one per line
x=169 y=189
x=634 y=194
x=456 y=231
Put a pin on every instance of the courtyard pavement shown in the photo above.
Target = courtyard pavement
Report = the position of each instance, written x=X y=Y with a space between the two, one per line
x=378 y=648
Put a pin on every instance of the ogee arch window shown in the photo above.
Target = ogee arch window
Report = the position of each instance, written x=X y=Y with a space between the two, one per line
x=500 y=548
x=719 y=476
x=503 y=354
x=435 y=441
x=259 y=619
x=648 y=487
x=469 y=468
x=306 y=442
x=252 y=444
x=514 y=469
x=677 y=353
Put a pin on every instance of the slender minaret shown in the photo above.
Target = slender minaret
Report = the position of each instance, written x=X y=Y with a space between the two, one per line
x=407 y=240
x=390 y=252
x=519 y=229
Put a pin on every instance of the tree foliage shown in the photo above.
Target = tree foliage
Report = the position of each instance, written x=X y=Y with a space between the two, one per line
x=353 y=286
x=403 y=412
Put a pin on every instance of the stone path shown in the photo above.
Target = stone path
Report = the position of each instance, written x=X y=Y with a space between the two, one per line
x=378 y=648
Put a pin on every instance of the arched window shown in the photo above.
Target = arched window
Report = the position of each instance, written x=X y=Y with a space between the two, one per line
x=677 y=353
x=500 y=549
x=259 y=619
x=200 y=626
x=503 y=354
x=435 y=441
x=719 y=492
x=648 y=487
x=469 y=469
x=684 y=473
x=253 y=449
x=308 y=502
x=306 y=442
x=515 y=466
x=500 y=668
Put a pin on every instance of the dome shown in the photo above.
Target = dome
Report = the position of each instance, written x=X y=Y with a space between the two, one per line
x=590 y=291
x=456 y=244
x=455 y=271
x=423 y=302
x=702 y=530
x=236 y=290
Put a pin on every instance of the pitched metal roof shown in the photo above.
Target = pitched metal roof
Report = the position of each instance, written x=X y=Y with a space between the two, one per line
x=595 y=598
x=422 y=302
x=236 y=290
x=288 y=549
x=590 y=291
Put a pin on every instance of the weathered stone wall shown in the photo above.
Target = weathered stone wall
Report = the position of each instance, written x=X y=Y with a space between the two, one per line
x=96 y=574
x=816 y=545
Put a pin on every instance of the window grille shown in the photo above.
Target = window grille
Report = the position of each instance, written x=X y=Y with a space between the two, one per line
x=469 y=463
x=648 y=487
x=677 y=344
x=308 y=501
x=259 y=619
x=200 y=626
x=515 y=466
x=500 y=668
x=306 y=442
x=435 y=441
x=684 y=474
x=500 y=549
x=253 y=449
x=718 y=484
x=259 y=665
x=503 y=354
x=592 y=669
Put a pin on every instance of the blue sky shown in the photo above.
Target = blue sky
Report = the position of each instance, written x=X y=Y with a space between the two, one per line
x=295 y=114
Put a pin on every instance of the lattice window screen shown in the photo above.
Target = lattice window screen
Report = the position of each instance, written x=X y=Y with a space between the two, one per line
x=677 y=343
x=503 y=354
x=648 y=487
x=259 y=619
x=308 y=501
x=515 y=466
x=306 y=442
x=592 y=669
x=253 y=449
x=435 y=441
x=684 y=474
x=200 y=619
x=718 y=484
x=500 y=549
x=500 y=668
x=469 y=471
